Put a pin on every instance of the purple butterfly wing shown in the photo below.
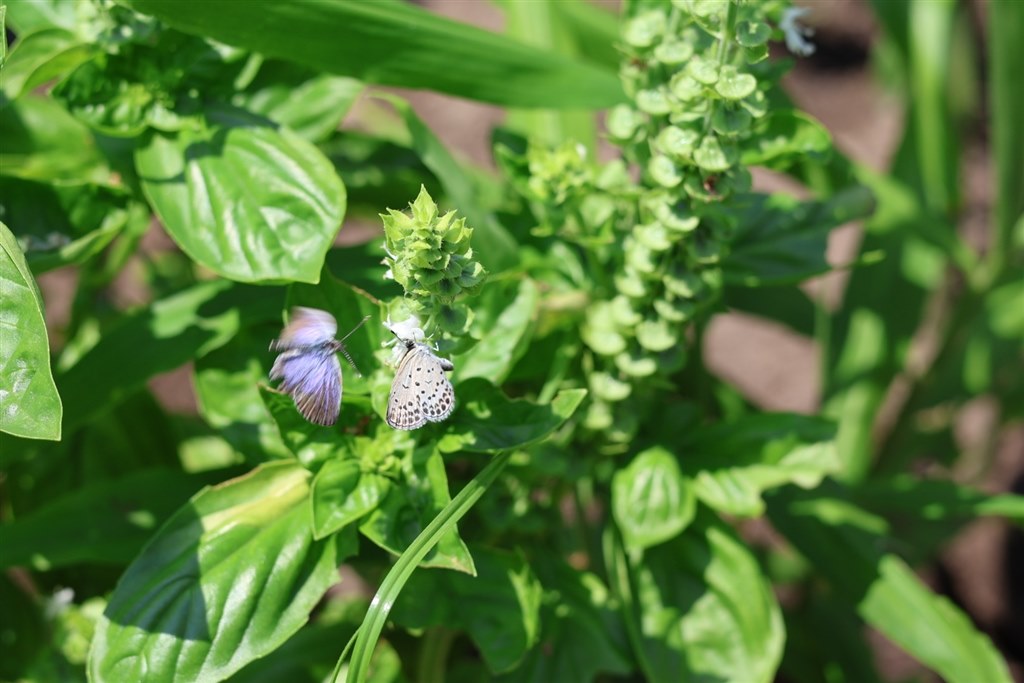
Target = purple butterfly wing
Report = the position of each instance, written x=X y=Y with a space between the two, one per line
x=307 y=327
x=313 y=379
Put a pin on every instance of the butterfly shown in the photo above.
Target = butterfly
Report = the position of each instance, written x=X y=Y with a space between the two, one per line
x=307 y=365
x=421 y=392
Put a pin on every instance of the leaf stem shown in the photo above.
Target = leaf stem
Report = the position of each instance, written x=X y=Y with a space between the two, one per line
x=391 y=586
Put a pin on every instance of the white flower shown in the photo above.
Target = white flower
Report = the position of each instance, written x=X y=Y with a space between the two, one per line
x=796 y=35
x=407 y=331
x=58 y=603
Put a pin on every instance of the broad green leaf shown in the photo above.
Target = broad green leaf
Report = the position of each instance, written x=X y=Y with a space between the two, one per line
x=498 y=608
x=502 y=343
x=230 y=577
x=408 y=509
x=311 y=444
x=651 y=499
x=701 y=609
x=733 y=463
x=26 y=16
x=310 y=104
x=485 y=420
x=492 y=244
x=161 y=337
x=782 y=240
x=581 y=634
x=39 y=57
x=66 y=224
x=845 y=545
x=103 y=523
x=343 y=493
x=785 y=136
x=344 y=37
x=42 y=141
x=30 y=406
x=782 y=304
x=227 y=382
x=249 y=202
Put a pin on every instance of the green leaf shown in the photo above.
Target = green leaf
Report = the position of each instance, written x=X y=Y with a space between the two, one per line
x=503 y=342
x=249 y=202
x=171 y=332
x=698 y=608
x=311 y=444
x=227 y=381
x=39 y=57
x=782 y=240
x=408 y=509
x=103 y=523
x=43 y=141
x=310 y=104
x=936 y=499
x=783 y=305
x=440 y=527
x=1005 y=54
x=30 y=406
x=343 y=493
x=492 y=244
x=651 y=499
x=485 y=420
x=785 y=136
x=344 y=37
x=733 y=463
x=226 y=580
x=31 y=15
x=809 y=657
x=844 y=544
x=23 y=624
x=499 y=608
x=581 y=635
x=67 y=224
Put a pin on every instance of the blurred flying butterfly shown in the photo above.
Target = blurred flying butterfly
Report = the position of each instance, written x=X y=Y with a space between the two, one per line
x=308 y=366
x=421 y=392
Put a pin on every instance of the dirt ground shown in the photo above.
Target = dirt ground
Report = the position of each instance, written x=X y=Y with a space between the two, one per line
x=776 y=369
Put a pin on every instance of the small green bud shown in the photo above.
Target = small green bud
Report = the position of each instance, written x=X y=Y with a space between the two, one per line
x=606 y=387
x=734 y=85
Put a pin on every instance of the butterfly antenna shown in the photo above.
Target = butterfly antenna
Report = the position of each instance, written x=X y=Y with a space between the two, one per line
x=361 y=323
x=351 y=362
x=344 y=351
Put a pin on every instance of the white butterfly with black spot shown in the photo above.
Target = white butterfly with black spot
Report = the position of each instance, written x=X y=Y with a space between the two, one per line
x=420 y=392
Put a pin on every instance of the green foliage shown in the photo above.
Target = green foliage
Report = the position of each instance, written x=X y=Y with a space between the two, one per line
x=582 y=514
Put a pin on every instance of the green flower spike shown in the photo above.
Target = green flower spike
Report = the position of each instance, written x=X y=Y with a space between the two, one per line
x=430 y=256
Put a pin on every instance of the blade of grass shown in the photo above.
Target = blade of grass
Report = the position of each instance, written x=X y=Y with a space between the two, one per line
x=380 y=608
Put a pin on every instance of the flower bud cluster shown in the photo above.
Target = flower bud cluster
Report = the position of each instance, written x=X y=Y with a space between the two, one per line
x=692 y=71
x=430 y=256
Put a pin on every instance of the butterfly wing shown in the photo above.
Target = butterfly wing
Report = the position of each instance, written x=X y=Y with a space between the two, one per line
x=313 y=379
x=307 y=327
x=420 y=392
